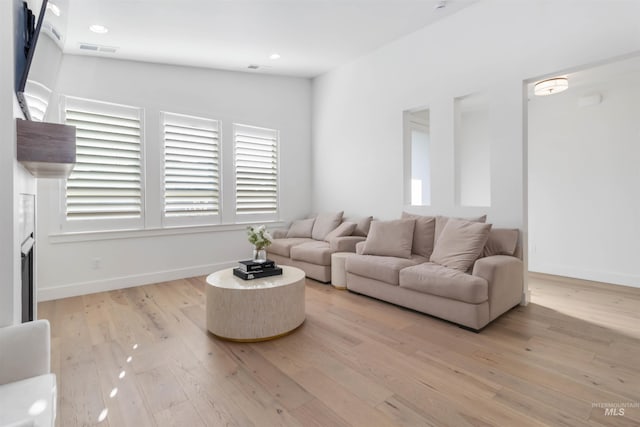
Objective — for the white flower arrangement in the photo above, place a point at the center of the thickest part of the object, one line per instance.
(259, 237)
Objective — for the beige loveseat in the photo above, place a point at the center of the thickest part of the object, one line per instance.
(463, 271)
(309, 243)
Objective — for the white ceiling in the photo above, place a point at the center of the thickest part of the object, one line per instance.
(312, 36)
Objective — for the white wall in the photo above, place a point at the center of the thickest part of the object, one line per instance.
(46, 61)
(7, 154)
(584, 181)
(68, 264)
(491, 47)
(13, 178)
(44, 71)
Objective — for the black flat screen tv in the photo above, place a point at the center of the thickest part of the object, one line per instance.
(27, 24)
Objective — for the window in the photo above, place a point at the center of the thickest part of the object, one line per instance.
(256, 170)
(178, 177)
(417, 158)
(191, 169)
(106, 183)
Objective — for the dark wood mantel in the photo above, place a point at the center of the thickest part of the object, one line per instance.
(47, 150)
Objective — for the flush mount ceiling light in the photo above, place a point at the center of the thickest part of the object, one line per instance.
(53, 8)
(99, 29)
(551, 86)
(274, 56)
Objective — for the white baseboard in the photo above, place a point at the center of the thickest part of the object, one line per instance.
(84, 288)
(593, 275)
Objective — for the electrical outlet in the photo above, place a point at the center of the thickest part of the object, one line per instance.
(96, 263)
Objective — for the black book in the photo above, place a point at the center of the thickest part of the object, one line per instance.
(249, 265)
(277, 271)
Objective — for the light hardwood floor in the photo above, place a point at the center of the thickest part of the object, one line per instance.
(142, 357)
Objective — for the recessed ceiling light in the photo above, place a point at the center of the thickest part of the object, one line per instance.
(100, 29)
(53, 8)
(274, 56)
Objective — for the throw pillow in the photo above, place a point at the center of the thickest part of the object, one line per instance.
(460, 244)
(441, 221)
(301, 228)
(423, 234)
(501, 241)
(362, 226)
(344, 229)
(390, 238)
(325, 223)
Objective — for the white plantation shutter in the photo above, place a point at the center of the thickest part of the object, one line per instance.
(191, 166)
(106, 180)
(256, 169)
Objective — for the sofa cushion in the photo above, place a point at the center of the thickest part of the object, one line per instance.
(362, 226)
(501, 241)
(423, 234)
(383, 268)
(325, 223)
(283, 247)
(390, 238)
(441, 221)
(434, 279)
(344, 229)
(301, 228)
(460, 244)
(313, 252)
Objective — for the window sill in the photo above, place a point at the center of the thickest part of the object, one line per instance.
(88, 236)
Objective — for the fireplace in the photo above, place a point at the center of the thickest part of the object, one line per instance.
(28, 298)
(27, 216)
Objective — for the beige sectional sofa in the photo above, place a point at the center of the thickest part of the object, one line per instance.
(463, 271)
(309, 243)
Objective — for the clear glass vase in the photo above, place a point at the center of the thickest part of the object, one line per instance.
(259, 255)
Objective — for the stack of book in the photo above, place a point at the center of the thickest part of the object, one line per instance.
(248, 270)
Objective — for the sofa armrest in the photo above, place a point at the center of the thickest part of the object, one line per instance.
(279, 233)
(25, 351)
(345, 243)
(505, 275)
